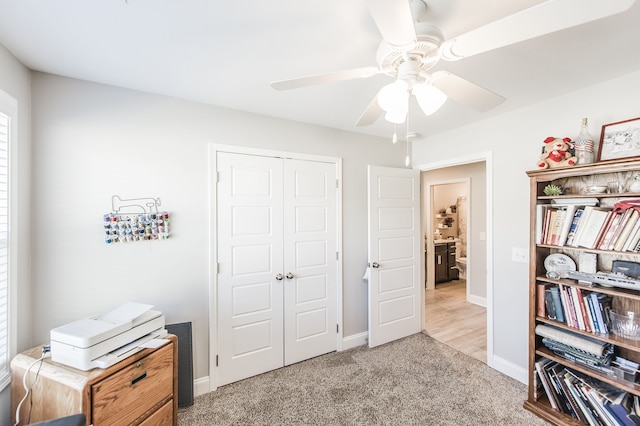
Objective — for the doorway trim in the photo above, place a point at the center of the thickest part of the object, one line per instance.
(213, 251)
(487, 157)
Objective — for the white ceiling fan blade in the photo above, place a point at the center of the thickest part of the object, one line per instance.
(465, 92)
(544, 18)
(395, 22)
(371, 114)
(295, 83)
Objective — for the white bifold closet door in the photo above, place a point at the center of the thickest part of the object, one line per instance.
(277, 266)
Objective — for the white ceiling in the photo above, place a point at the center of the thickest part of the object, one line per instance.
(226, 53)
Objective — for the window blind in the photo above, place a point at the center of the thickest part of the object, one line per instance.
(4, 250)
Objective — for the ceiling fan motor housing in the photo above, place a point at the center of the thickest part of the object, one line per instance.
(424, 54)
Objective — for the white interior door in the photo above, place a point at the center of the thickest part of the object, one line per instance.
(310, 259)
(250, 257)
(394, 254)
(277, 263)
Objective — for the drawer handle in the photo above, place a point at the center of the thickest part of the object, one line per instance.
(138, 377)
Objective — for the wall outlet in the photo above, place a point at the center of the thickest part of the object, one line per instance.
(519, 255)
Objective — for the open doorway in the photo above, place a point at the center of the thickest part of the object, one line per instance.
(456, 309)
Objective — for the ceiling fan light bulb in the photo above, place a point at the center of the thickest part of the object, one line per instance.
(396, 117)
(394, 96)
(429, 97)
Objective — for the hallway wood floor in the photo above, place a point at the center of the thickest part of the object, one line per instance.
(452, 320)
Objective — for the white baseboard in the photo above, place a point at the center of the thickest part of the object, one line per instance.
(201, 386)
(477, 300)
(355, 340)
(510, 369)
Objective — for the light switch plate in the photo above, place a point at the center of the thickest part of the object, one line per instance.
(519, 255)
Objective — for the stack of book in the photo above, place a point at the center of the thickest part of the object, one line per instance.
(580, 349)
(586, 399)
(580, 309)
(588, 226)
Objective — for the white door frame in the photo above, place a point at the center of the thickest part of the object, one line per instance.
(213, 249)
(458, 161)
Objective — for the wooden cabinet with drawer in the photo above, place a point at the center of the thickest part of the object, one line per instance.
(140, 390)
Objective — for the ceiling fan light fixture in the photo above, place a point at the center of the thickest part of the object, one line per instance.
(429, 97)
(396, 117)
(394, 96)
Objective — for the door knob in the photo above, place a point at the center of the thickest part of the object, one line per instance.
(375, 265)
(279, 277)
(289, 275)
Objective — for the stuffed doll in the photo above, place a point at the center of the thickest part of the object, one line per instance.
(556, 153)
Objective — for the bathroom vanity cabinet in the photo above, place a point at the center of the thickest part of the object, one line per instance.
(445, 262)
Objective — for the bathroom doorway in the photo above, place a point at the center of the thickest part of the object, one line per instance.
(454, 206)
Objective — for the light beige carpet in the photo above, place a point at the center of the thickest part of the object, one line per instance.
(413, 381)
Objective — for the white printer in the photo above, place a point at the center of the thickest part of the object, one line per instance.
(102, 340)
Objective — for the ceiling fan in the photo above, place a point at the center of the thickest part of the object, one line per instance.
(410, 48)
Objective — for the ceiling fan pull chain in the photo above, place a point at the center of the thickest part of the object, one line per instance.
(407, 159)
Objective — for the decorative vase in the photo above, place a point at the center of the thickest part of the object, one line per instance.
(584, 145)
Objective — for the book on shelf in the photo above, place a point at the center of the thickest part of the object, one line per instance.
(581, 343)
(569, 309)
(546, 384)
(633, 239)
(567, 219)
(541, 310)
(593, 316)
(589, 312)
(545, 224)
(541, 211)
(566, 384)
(603, 302)
(587, 412)
(566, 400)
(578, 308)
(622, 407)
(574, 224)
(576, 297)
(603, 230)
(584, 398)
(593, 221)
(557, 303)
(626, 230)
(626, 215)
(556, 221)
(610, 230)
(550, 307)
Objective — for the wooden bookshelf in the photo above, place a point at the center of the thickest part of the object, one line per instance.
(574, 181)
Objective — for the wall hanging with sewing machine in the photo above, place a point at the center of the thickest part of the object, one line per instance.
(135, 219)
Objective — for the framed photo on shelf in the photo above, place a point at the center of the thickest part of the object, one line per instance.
(620, 140)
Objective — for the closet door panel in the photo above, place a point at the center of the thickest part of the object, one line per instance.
(250, 298)
(310, 246)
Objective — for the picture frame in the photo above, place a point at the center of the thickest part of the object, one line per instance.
(620, 140)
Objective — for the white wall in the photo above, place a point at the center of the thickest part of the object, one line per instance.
(93, 141)
(15, 81)
(515, 139)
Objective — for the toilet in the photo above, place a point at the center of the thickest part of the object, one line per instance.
(461, 265)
